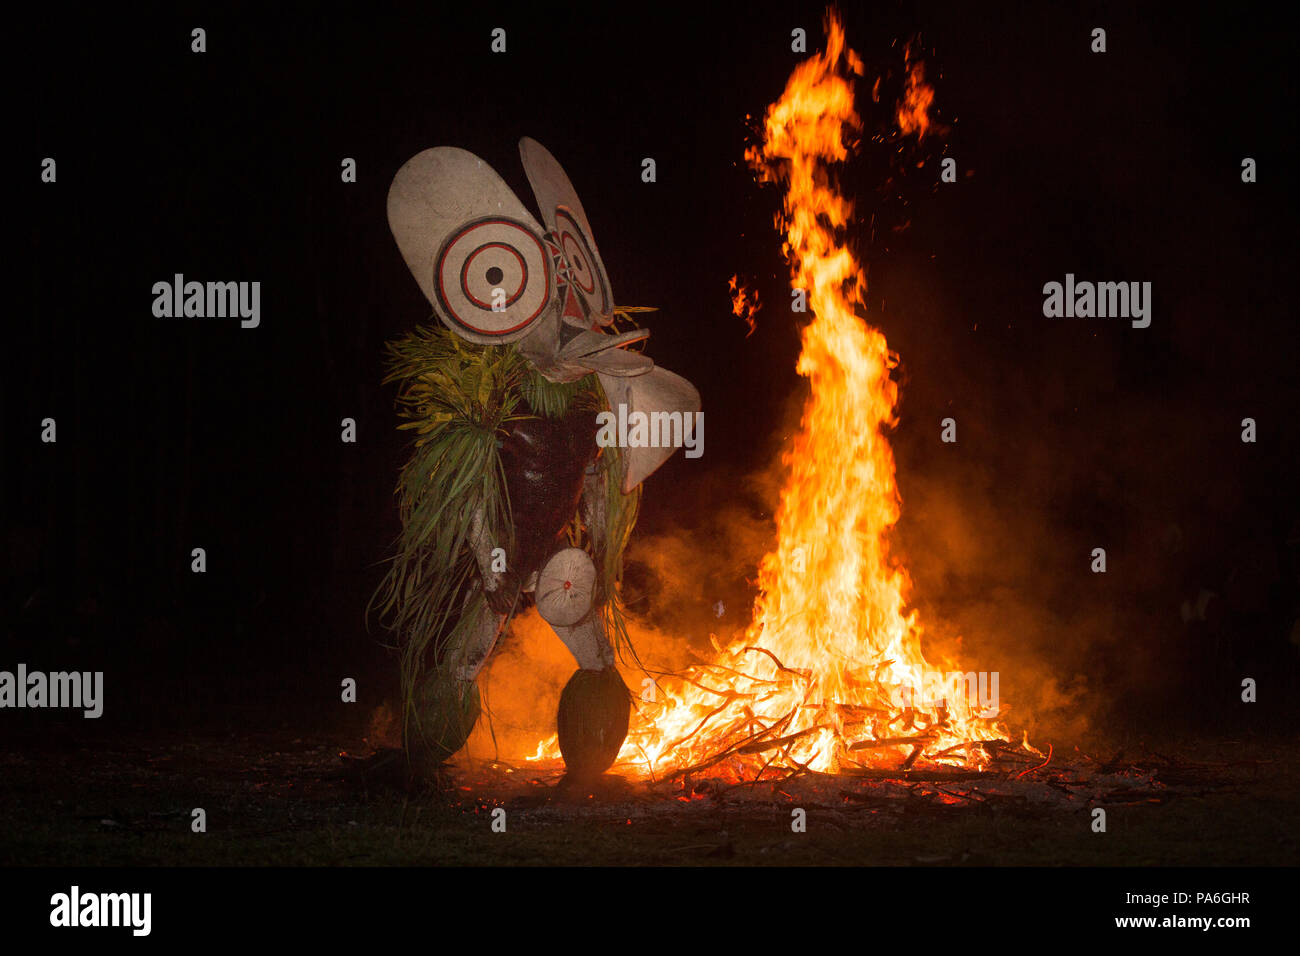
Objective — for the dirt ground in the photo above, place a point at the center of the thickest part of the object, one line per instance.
(286, 798)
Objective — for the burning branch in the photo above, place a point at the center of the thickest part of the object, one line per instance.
(745, 302)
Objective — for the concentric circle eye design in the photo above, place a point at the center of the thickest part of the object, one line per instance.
(493, 279)
(584, 267)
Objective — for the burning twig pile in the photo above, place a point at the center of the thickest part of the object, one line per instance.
(743, 735)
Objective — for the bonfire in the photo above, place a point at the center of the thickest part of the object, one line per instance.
(830, 675)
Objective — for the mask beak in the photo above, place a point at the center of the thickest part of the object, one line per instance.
(565, 353)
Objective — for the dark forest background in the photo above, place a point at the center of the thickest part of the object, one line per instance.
(1073, 434)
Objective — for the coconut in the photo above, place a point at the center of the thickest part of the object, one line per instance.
(593, 720)
(448, 711)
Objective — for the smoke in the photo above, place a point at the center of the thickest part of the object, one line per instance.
(1073, 438)
(520, 690)
(521, 685)
(990, 599)
(685, 585)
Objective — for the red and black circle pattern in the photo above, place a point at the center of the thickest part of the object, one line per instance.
(584, 268)
(493, 278)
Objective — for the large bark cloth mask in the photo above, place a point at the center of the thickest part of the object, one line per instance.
(493, 275)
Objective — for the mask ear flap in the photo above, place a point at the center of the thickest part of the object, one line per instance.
(657, 390)
(477, 253)
(567, 222)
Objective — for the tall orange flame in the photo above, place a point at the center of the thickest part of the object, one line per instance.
(826, 676)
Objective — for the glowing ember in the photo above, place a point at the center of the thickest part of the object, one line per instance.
(829, 675)
(745, 302)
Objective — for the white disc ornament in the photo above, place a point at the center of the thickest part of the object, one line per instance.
(565, 587)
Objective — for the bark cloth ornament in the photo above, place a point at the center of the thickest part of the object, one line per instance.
(506, 498)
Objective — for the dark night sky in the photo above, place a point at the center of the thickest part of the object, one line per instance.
(225, 166)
